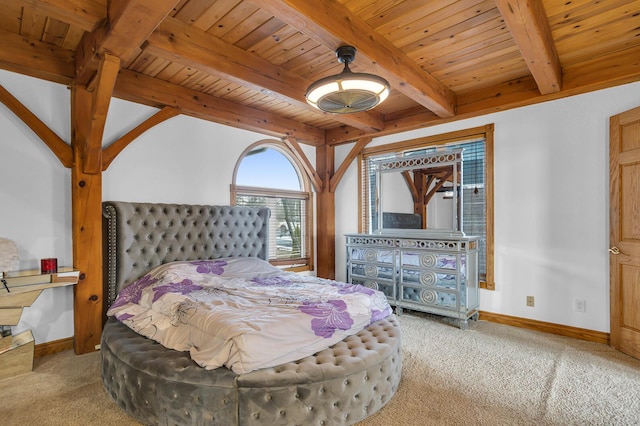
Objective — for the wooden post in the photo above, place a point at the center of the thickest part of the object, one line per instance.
(86, 194)
(326, 208)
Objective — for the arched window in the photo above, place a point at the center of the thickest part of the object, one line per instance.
(268, 174)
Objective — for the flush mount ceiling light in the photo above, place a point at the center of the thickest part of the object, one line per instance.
(348, 91)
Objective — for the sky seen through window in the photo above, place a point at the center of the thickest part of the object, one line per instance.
(267, 168)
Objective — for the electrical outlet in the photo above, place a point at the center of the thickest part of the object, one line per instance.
(530, 301)
(579, 305)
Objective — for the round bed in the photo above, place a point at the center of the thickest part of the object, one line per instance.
(340, 385)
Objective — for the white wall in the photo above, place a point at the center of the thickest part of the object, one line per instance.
(35, 198)
(183, 160)
(551, 205)
(551, 194)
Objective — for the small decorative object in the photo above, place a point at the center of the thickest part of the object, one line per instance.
(49, 265)
(347, 92)
(9, 258)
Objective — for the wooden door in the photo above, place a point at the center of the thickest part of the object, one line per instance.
(625, 231)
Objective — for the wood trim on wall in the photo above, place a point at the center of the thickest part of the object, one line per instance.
(440, 139)
(547, 327)
(489, 282)
(326, 215)
(53, 347)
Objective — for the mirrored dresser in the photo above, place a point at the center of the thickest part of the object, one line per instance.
(428, 273)
(416, 251)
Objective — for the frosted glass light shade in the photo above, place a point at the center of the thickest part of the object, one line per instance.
(348, 92)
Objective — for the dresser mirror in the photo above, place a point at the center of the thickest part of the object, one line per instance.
(417, 191)
(460, 163)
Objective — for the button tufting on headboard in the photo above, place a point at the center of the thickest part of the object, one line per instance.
(140, 236)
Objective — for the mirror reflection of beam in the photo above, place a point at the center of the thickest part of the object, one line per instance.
(424, 184)
(424, 174)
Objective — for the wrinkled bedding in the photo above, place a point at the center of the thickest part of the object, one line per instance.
(244, 313)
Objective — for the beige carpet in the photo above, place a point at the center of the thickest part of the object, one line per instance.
(491, 374)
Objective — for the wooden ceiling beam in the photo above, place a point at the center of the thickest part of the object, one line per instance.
(295, 147)
(60, 148)
(332, 25)
(178, 42)
(353, 153)
(86, 226)
(413, 187)
(128, 25)
(598, 73)
(439, 184)
(111, 152)
(35, 58)
(31, 57)
(101, 98)
(147, 90)
(529, 26)
(86, 14)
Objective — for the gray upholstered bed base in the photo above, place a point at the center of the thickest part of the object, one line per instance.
(340, 385)
(337, 386)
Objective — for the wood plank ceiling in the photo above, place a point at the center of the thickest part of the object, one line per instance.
(248, 64)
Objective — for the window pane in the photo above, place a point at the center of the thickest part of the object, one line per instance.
(474, 199)
(287, 224)
(267, 168)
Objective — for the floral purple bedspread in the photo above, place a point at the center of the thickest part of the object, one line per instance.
(244, 313)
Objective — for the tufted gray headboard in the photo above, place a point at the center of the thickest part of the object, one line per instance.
(140, 236)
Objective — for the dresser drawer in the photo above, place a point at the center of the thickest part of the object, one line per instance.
(429, 296)
(372, 271)
(371, 254)
(388, 288)
(429, 278)
(430, 260)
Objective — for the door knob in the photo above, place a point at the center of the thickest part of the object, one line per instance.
(615, 250)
